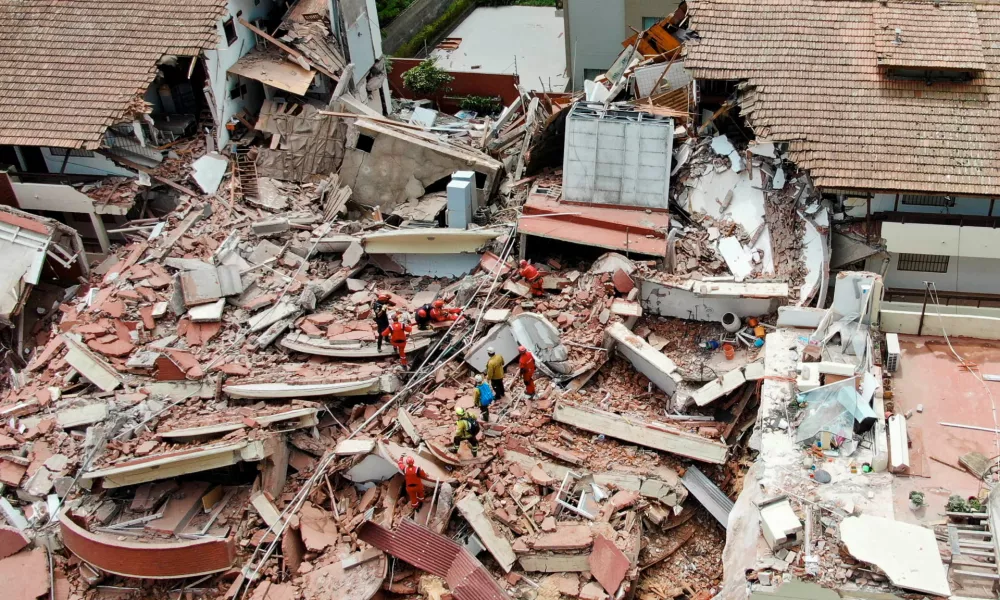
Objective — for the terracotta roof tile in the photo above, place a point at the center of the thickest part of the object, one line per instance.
(71, 68)
(811, 77)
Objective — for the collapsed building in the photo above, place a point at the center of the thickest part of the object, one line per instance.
(201, 408)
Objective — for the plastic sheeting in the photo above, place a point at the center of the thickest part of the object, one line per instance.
(833, 408)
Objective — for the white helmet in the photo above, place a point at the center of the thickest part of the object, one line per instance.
(479, 378)
(491, 351)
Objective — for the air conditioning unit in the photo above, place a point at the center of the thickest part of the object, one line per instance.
(892, 350)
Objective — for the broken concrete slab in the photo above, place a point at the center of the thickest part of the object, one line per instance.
(707, 300)
(907, 553)
(84, 415)
(718, 387)
(91, 366)
(182, 505)
(174, 464)
(209, 170)
(649, 434)
(207, 313)
(656, 366)
(565, 537)
(472, 510)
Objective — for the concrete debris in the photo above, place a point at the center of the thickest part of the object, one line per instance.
(345, 344)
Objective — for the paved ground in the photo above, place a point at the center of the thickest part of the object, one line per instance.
(929, 374)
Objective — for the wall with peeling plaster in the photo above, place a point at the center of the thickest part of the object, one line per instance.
(400, 167)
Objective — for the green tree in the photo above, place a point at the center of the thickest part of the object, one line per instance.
(427, 78)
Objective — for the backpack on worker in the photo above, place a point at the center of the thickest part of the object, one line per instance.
(486, 395)
(473, 426)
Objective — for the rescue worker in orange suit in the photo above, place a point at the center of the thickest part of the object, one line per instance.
(380, 312)
(413, 476)
(526, 361)
(423, 317)
(398, 334)
(531, 275)
(440, 314)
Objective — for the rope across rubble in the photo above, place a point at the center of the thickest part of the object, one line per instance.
(324, 463)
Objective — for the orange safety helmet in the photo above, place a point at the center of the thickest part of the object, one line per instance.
(438, 303)
(395, 317)
(521, 349)
(523, 263)
(421, 313)
(384, 297)
(408, 460)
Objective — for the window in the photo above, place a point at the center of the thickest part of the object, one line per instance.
(65, 152)
(238, 91)
(481, 180)
(230, 28)
(648, 22)
(365, 143)
(592, 74)
(925, 263)
(912, 200)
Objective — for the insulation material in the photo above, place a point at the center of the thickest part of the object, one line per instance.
(908, 554)
(617, 157)
(309, 143)
(646, 77)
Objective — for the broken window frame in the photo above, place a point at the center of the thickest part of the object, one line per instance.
(229, 28)
(922, 263)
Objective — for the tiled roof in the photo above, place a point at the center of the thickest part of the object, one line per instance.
(812, 79)
(71, 68)
(939, 37)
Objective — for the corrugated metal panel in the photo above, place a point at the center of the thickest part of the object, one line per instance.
(467, 578)
(473, 580)
(426, 550)
(706, 492)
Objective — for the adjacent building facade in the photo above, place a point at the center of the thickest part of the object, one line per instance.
(898, 130)
(89, 90)
(595, 30)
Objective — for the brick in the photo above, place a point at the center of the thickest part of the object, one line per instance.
(25, 575)
(12, 541)
(608, 564)
(565, 537)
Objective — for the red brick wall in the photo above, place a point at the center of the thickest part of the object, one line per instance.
(466, 83)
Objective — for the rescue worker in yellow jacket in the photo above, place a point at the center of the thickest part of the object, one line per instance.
(494, 371)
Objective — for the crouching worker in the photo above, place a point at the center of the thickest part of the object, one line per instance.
(466, 429)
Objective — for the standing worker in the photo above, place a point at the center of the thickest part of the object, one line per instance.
(530, 274)
(466, 429)
(414, 477)
(440, 314)
(380, 312)
(483, 395)
(398, 334)
(494, 371)
(526, 361)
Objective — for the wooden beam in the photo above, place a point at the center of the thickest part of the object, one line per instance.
(295, 54)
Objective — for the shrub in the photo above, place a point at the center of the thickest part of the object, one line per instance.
(427, 78)
(483, 105)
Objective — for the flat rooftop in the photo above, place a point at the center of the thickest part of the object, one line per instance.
(523, 40)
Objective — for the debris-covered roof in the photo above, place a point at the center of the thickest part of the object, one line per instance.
(70, 69)
(813, 80)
